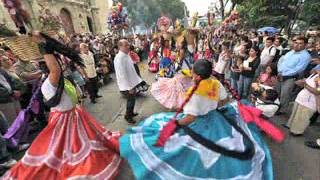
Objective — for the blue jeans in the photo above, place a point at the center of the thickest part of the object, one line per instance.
(234, 84)
(244, 86)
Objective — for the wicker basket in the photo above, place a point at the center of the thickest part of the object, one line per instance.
(22, 47)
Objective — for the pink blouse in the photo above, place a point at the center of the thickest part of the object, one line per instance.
(267, 80)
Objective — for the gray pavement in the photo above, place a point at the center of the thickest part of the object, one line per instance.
(291, 159)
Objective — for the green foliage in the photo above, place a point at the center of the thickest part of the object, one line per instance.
(257, 13)
(278, 13)
(311, 12)
(147, 12)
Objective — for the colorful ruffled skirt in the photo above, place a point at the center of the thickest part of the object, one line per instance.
(72, 146)
(170, 92)
(183, 158)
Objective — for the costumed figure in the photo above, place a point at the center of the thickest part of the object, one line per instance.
(178, 31)
(164, 23)
(191, 38)
(73, 145)
(206, 141)
(166, 51)
(18, 14)
(168, 91)
(194, 20)
(166, 68)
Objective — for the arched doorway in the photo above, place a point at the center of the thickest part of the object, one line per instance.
(66, 19)
(90, 25)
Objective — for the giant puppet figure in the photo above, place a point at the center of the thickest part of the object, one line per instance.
(164, 23)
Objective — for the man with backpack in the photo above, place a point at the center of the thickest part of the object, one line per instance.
(277, 44)
(267, 55)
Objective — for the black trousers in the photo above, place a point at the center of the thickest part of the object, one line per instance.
(26, 96)
(92, 87)
(131, 101)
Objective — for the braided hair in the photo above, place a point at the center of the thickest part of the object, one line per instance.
(231, 90)
(203, 69)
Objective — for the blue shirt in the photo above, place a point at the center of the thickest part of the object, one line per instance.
(293, 63)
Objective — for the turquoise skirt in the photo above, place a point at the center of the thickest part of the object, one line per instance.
(182, 158)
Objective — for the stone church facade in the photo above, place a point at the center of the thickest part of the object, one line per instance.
(76, 15)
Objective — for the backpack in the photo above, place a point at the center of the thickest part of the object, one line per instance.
(276, 56)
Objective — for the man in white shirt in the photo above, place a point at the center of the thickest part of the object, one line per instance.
(90, 72)
(127, 78)
(267, 55)
(277, 44)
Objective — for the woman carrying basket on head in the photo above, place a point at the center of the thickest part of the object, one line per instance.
(73, 145)
(204, 142)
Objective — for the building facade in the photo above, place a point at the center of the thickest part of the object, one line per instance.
(77, 16)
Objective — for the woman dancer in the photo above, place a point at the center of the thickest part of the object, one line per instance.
(170, 92)
(206, 143)
(73, 145)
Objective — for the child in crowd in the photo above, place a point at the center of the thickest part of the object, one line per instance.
(269, 77)
(268, 102)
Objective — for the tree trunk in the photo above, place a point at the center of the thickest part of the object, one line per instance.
(222, 8)
(292, 18)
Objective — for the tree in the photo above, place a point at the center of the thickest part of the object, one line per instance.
(257, 13)
(146, 12)
(282, 14)
(310, 12)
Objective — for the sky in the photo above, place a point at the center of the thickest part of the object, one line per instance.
(200, 6)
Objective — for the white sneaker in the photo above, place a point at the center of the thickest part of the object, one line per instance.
(9, 163)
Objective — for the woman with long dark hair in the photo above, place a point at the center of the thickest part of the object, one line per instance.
(204, 142)
(248, 69)
(73, 145)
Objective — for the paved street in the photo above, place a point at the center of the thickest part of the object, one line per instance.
(291, 159)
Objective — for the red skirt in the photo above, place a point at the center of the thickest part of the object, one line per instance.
(72, 146)
(154, 67)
